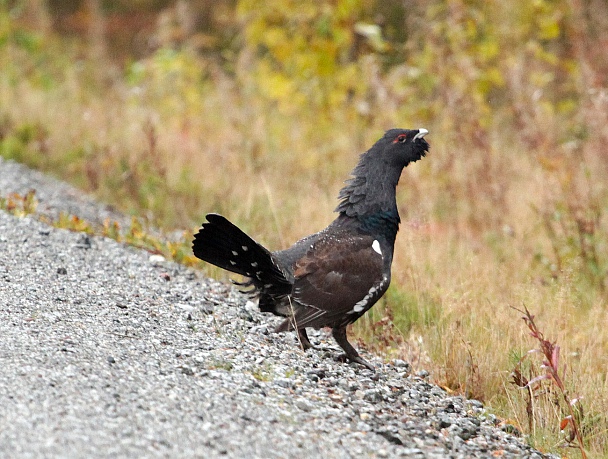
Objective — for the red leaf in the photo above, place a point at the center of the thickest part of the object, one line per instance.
(538, 378)
(555, 358)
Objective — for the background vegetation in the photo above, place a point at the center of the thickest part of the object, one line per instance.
(258, 110)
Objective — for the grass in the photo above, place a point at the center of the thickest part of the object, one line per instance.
(507, 209)
(568, 409)
(135, 235)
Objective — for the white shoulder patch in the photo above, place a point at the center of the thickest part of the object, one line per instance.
(376, 246)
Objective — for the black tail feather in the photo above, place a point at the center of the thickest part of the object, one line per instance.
(247, 287)
(223, 244)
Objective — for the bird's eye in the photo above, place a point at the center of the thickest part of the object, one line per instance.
(401, 138)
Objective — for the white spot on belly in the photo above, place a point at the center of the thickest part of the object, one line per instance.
(245, 248)
(362, 305)
(232, 262)
(376, 246)
(235, 253)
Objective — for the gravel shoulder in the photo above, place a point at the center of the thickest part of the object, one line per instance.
(107, 353)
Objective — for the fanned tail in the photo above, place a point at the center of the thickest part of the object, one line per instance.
(223, 244)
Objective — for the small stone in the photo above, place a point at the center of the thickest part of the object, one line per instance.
(408, 452)
(336, 398)
(187, 371)
(304, 405)
(260, 329)
(319, 374)
(414, 394)
(207, 308)
(352, 386)
(62, 271)
(400, 363)
(492, 419)
(156, 260)
(185, 307)
(465, 434)
(396, 383)
(449, 407)
(111, 360)
(444, 422)
(364, 427)
(373, 395)
(465, 429)
(422, 374)
(286, 383)
(510, 429)
(84, 241)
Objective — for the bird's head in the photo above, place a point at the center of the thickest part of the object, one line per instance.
(371, 190)
(399, 147)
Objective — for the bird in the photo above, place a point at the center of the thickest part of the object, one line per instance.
(330, 278)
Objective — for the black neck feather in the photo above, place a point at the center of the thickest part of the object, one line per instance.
(368, 200)
(372, 189)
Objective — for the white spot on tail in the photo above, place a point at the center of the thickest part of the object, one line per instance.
(254, 264)
(232, 262)
(376, 246)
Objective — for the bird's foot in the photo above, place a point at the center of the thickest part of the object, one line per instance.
(305, 343)
(307, 346)
(357, 359)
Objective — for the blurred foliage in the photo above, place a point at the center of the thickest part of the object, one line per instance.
(170, 109)
(303, 52)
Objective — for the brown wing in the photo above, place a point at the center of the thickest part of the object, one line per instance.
(338, 279)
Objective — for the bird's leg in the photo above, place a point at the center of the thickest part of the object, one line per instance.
(304, 341)
(350, 352)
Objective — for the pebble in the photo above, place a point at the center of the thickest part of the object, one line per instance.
(157, 260)
(422, 374)
(304, 405)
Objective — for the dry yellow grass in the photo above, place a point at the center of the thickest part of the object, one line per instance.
(504, 212)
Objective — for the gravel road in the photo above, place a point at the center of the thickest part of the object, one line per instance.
(105, 352)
